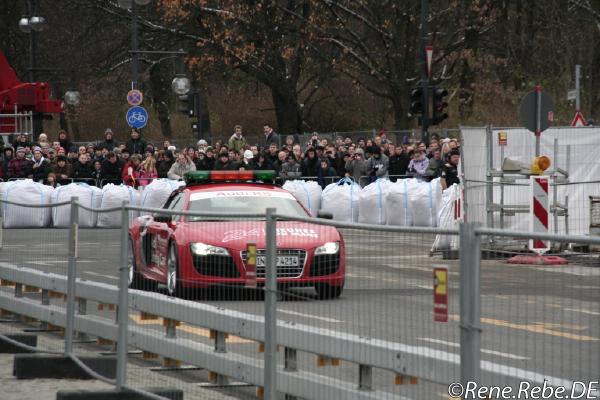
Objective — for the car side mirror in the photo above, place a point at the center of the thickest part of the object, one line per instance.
(163, 218)
(324, 214)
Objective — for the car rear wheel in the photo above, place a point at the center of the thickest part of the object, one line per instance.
(326, 291)
(174, 287)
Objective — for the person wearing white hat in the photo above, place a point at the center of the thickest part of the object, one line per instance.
(247, 161)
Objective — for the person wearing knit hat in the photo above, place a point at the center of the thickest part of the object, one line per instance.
(247, 162)
(19, 166)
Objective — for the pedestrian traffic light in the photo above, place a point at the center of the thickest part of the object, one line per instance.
(416, 101)
(186, 104)
(439, 105)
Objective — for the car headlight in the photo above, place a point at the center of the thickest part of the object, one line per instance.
(202, 249)
(328, 248)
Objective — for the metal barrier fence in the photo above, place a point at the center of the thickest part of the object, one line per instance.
(317, 319)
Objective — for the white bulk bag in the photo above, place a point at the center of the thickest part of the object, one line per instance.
(447, 219)
(307, 192)
(157, 192)
(341, 199)
(371, 202)
(423, 203)
(113, 196)
(26, 192)
(397, 202)
(88, 196)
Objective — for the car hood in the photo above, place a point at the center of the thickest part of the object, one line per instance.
(237, 234)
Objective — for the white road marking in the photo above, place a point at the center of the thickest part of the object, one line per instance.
(491, 352)
(101, 275)
(572, 270)
(55, 262)
(583, 311)
(325, 319)
(414, 267)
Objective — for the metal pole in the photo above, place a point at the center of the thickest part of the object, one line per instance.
(470, 304)
(555, 187)
(424, 75)
(71, 275)
(123, 306)
(538, 118)
(577, 87)
(270, 380)
(134, 46)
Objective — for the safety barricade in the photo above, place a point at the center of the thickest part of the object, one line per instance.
(307, 307)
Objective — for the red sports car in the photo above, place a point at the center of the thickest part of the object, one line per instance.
(184, 252)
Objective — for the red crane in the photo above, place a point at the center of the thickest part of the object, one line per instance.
(20, 97)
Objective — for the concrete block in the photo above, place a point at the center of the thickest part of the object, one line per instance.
(33, 366)
(116, 394)
(25, 338)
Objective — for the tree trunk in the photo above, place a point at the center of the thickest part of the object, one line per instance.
(287, 111)
(400, 114)
(160, 98)
(595, 80)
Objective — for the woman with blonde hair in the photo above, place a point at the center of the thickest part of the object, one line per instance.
(148, 171)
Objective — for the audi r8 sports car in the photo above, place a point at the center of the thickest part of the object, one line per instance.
(187, 252)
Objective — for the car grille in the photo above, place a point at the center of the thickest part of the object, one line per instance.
(220, 266)
(282, 272)
(324, 264)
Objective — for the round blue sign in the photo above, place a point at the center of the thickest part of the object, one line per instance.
(137, 117)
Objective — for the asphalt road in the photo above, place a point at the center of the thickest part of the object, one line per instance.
(541, 319)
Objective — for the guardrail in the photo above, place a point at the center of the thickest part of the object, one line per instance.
(366, 353)
(430, 365)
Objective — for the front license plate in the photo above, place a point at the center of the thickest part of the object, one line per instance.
(282, 261)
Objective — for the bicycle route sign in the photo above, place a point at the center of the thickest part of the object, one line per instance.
(137, 117)
(135, 97)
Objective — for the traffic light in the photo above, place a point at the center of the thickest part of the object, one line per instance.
(186, 104)
(439, 105)
(416, 101)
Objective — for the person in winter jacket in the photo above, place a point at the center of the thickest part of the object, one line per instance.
(19, 166)
(131, 171)
(247, 162)
(418, 165)
(40, 167)
(62, 170)
(148, 171)
(111, 169)
(325, 171)
(64, 141)
(164, 163)
(435, 165)
(378, 164)
(262, 162)
(399, 161)
(135, 145)
(310, 165)
(180, 167)
(291, 169)
(271, 137)
(225, 164)
(7, 156)
(237, 141)
(109, 143)
(357, 166)
(82, 169)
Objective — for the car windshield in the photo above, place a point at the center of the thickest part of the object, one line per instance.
(250, 202)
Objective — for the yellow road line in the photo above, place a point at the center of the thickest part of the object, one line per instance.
(541, 328)
(189, 329)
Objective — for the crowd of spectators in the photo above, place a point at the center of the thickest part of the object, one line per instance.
(136, 162)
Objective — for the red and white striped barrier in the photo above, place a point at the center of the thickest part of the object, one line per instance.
(539, 213)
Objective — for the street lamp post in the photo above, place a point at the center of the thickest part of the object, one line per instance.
(32, 24)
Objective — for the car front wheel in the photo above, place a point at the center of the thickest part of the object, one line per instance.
(174, 287)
